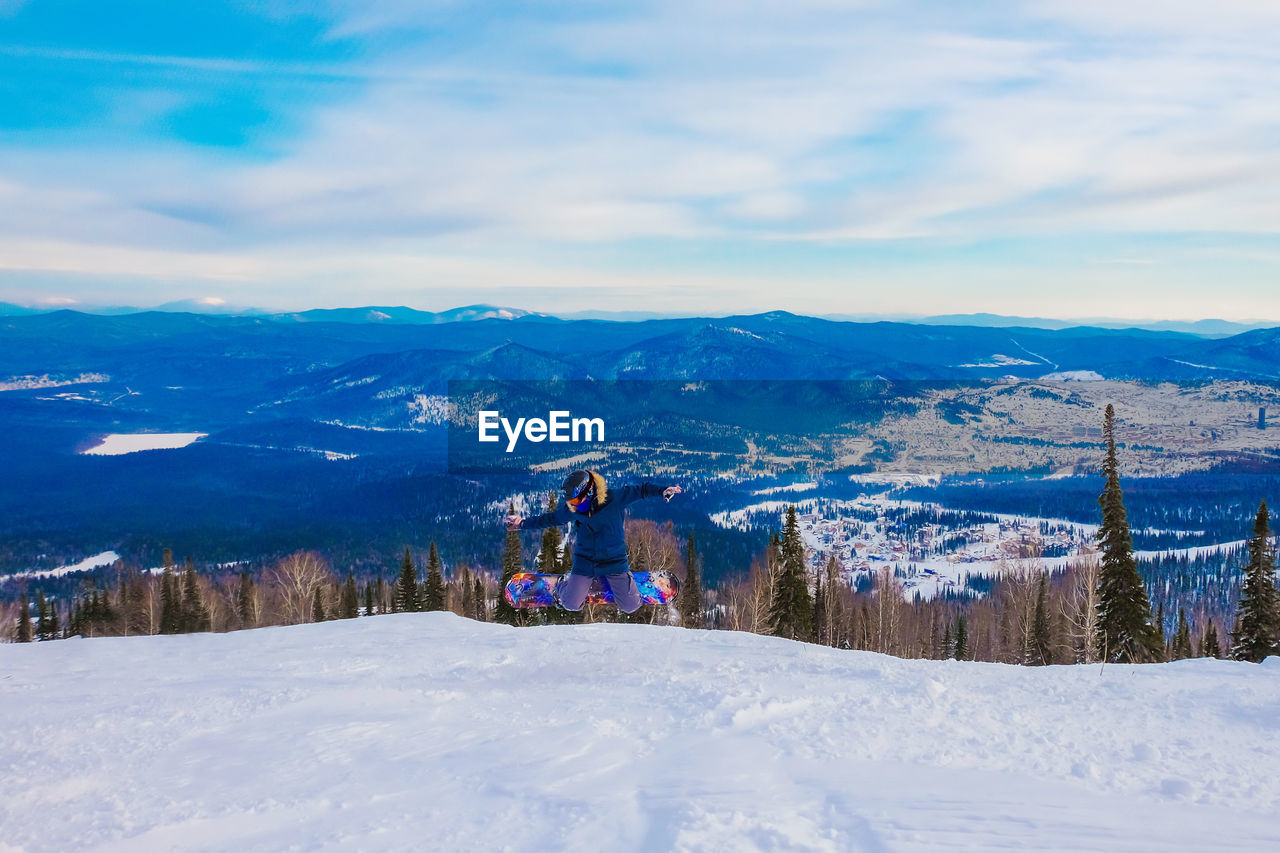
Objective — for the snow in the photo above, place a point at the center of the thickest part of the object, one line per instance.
(864, 547)
(118, 444)
(793, 487)
(1073, 376)
(106, 558)
(426, 731)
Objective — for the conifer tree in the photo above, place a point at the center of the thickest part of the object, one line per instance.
(1040, 652)
(1256, 633)
(246, 595)
(791, 609)
(350, 599)
(466, 603)
(170, 608)
(433, 596)
(962, 638)
(1181, 639)
(481, 613)
(1212, 647)
(407, 595)
(368, 599)
(689, 601)
(549, 556)
(317, 607)
(819, 620)
(194, 615)
(512, 563)
(1125, 632)
(24, 620)
(46, 628)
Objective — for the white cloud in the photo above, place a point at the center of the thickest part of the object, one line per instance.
(676, 123)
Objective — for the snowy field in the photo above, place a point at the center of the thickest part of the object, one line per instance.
(88, 564)
(429, 732)
(117, 444)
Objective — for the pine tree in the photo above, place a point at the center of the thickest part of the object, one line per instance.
(1212, 647)
(170, 608)
(407, 596)
(1125, 632)
(245, 598)
(45, 626)
(194, 615)
(962, 638)
(690, 601)
(24, 620)
(317, 607)
(1040, 652)
(1181, 639)
(481, 613)
(1257, 627)
(466, 603)
(350, 599)
(434, 594)
(791, 609)
(368, 599)
(549, 557)
(512, 563)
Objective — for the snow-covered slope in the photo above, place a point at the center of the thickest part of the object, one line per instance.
(429, 732)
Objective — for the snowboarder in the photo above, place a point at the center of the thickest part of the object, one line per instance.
(600, 549)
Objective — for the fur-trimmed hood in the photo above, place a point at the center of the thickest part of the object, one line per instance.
(601, 488)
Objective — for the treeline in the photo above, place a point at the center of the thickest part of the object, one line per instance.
(305, 587)
(1093, 610)
(302, 587)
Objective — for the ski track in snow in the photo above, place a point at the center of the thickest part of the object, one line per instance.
(429, 732)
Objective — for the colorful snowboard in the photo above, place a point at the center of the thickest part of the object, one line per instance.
(526, 589)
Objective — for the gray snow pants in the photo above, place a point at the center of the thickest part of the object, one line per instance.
(573, 591)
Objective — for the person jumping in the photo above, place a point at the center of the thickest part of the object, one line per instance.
(600, 547)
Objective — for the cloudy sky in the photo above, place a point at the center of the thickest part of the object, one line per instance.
(1064, 158)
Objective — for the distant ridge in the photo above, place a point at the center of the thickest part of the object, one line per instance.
(1204, 328)
(403, 315)
(407, 316)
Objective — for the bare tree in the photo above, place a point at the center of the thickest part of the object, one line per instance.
(296, 579)
(8, 621)
(1080, 609)
(1021, 583)
(153, 604)
(888, 610)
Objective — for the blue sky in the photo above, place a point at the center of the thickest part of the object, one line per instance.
(1051, 158)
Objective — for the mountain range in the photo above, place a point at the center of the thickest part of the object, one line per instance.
(405, 315)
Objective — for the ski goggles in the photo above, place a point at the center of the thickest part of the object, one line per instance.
(581, 494)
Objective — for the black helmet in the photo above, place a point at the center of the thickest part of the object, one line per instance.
(576, 483)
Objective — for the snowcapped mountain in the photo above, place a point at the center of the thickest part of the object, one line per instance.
(426, 731)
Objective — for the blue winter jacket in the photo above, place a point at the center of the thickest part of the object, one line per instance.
(600, 547)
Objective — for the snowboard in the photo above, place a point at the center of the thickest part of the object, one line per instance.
(527, 589)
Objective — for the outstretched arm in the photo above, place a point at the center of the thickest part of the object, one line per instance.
(630, 494)
(557, 516)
